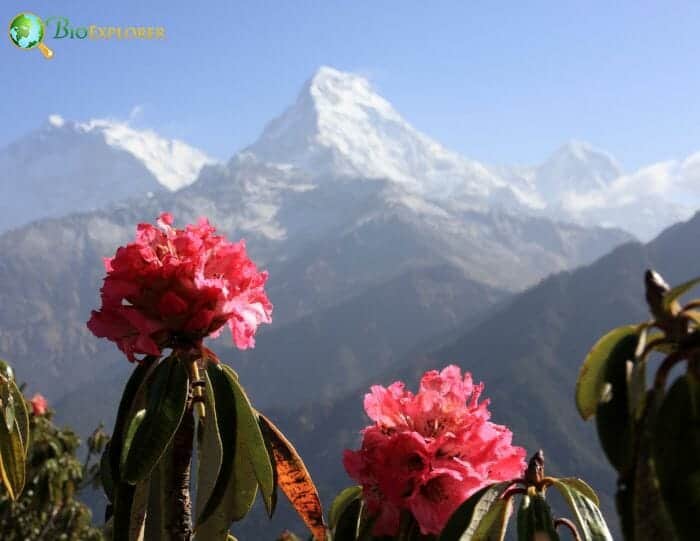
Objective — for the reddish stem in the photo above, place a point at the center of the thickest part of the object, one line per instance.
(572, 527)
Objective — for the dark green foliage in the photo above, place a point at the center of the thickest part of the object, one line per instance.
(48, 508)
(651, 436)
(167, 399)
(535, 516)
(612, 415)
(676, 453)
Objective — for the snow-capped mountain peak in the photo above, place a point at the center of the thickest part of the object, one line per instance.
(339, 126)
(576, 167)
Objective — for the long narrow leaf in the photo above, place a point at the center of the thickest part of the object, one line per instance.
(495, 522)
(251, 439)
(121, 520)
(294, 479)
(678, 291)
(124, 413)
(21, 415)
(587, 513)
(225, 404)
(210, 449)
(138, 511)
(12, 459)
(465, 520)
(130, 433)
(341, 502)
(236, 486)
(237, 499)
(535, 519)
(167, 400)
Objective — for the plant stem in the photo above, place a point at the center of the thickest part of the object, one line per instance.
(179, 517)
(570, 525)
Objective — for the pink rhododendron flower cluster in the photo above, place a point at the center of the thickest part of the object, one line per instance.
(39, 405)
(173, 287)
(426, 453)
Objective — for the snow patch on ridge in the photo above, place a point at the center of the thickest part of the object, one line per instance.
(174, 163)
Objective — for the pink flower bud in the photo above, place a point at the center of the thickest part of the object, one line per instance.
(39, 405)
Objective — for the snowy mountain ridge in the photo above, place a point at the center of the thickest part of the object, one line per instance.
(67, 167)
(174, 163)
(340, 127)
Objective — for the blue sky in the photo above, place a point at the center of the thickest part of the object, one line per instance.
(503, 82)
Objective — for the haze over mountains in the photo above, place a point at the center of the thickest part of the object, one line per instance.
(325, 236)
(381, 244)
(67, 166)
(528, 352)
(339, 127)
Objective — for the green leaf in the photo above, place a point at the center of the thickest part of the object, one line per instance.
(591, 379)
(210, 449)
(129, 437)
(225, 411)
(235, 503)
(251, 439)
(365, 525)
(21, 414)
(134, 387)
(649, 518)
(624, 505)
(347, 522)
(341, 502)
(137, 517)
(636, 389)
(466, 519)
(6, 371)
(8, 402)
(294, 479)
(167, 400)
(121, 520)
(495, 522)
(236, 486)
(535, 516)
(583, 487)
(106, 473)
(676, 452)
(677, 291)
(12, 459)
(612, 415)
(587, 513)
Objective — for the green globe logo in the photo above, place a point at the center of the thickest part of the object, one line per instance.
(27, 31)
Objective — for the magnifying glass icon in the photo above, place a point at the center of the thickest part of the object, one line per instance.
(27, 32)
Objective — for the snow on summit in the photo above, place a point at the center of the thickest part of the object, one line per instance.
(339, 125)
(338, 129)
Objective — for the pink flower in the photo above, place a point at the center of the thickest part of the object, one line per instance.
(174, 287)
(39, 405)
(427, 453)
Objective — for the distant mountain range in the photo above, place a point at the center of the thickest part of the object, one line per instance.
(528, 352)
(70, 166)
(381, 244)
(339, 127)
